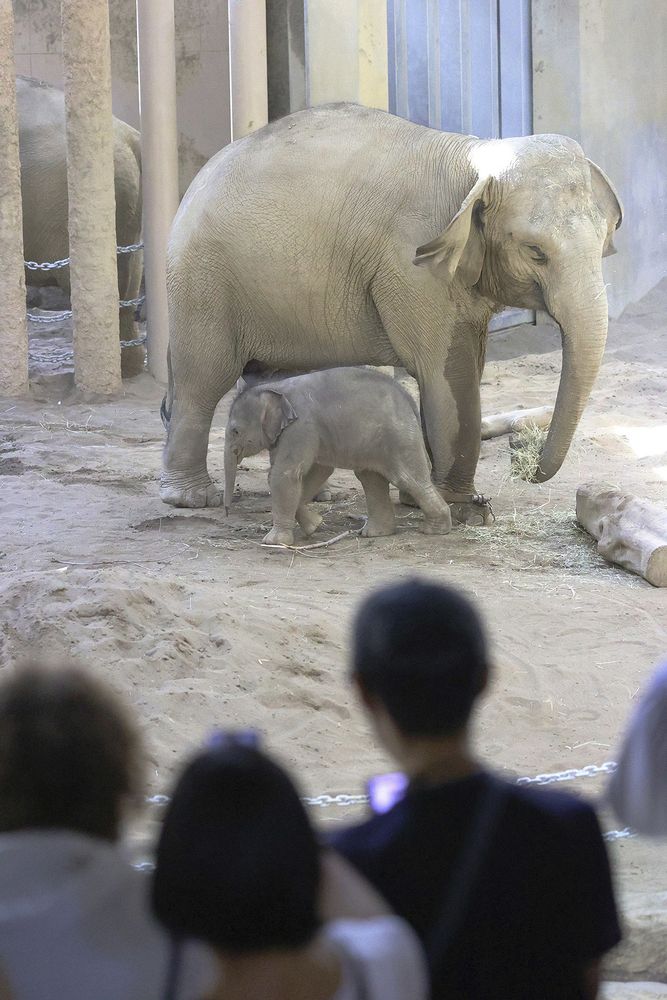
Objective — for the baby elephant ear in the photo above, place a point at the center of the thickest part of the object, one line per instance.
(461, 247)
(609, 203)
(277, 413)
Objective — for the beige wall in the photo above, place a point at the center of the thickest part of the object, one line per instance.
(202, 67)
(600, 75)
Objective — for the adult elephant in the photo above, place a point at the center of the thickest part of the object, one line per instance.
(43, 153)
(295, 248)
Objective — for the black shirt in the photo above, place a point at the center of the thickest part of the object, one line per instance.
(541, 907)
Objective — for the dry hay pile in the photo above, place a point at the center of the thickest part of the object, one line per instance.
(526, 448)
(538, 538)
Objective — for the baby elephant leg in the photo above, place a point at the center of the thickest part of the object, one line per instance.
(307, 518)
(437, 516)
(381, 519)
(285, 485)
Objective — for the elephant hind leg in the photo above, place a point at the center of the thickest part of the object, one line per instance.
(437, 516)
(381, 520)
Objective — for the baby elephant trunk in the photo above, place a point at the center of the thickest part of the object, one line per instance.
(231, 463)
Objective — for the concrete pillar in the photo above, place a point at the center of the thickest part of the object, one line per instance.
(248, 68)
(159, 165)
(13, 331)
(286, 57)
(346, 52)
(92, 203)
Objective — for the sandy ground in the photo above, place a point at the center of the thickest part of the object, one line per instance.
(184, 613)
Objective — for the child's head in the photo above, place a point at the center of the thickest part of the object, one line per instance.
(419, 650)
(237, 862)
(70, 756)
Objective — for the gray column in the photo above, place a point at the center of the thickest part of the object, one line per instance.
(159, 164)
(286, 57)
(13, 332)
(90, 184)
(248, 67)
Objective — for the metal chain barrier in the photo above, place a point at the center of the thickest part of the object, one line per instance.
(52, 265)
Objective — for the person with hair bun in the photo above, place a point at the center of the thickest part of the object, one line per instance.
(240, 868)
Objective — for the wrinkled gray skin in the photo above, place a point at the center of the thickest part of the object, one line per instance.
(342, 236)
(43, 153)
(347, 418)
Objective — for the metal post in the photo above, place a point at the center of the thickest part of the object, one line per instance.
(13, 331)
(90, 188)
(159, 165)
(248, 67)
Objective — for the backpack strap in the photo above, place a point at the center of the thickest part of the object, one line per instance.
(477, 843)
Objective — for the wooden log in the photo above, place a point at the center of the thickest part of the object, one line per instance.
(497, 424)
(631, 532)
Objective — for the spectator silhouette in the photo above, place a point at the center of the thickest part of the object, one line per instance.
(75, 920)
(239, 866)
(638, 788)
(508, 887)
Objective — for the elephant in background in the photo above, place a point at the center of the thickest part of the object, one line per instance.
(342, 235)
(346, 418)
(43, 153)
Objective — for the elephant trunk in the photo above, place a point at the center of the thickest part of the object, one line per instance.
(231, 463)
(584, 334)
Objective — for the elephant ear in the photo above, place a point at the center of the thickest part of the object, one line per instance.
(277, 413)
(461, 247)
(609, 203)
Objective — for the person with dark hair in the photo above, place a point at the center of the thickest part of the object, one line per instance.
(508, 888)
(74, 915)
(240, 868)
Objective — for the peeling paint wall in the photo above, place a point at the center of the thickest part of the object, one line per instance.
(600, 75)
(202, 59)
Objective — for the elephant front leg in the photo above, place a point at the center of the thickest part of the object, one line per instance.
(381, 520)
(185, 480)
(453, 420)
(286, 490)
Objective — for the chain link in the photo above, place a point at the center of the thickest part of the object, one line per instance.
(48, 265)
(131, 247)
(336, 800)
(52, 265)
(623, 834)
(54, 317)
(132, 302)
(589, 771)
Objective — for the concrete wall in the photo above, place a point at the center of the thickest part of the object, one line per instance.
(600, 75)
(202, 68)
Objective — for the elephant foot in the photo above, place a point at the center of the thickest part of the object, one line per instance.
(309, 522)
(279, 536)
(192, 496)
(376, 529)
(472, 509)
(406, 499)
(324, 496)
(440, 527)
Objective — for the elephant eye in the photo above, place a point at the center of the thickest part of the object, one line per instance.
(537, 254)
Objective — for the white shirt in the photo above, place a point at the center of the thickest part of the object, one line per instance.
(382, 959)
(75, 924)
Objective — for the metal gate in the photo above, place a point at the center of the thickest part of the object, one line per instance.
(463, 66)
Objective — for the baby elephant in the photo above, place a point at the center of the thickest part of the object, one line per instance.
(345, 418)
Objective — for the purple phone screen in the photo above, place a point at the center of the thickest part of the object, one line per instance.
(385, 790)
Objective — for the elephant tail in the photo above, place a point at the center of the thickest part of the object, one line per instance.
(165, 409)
